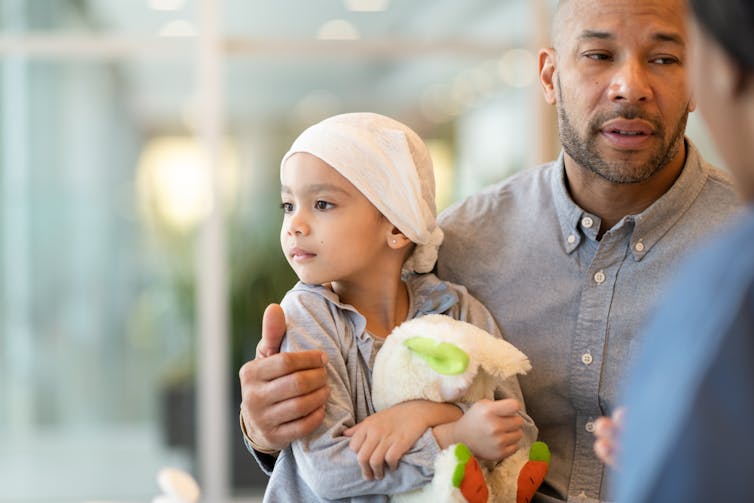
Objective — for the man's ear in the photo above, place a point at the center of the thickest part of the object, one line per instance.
(396, 239)
(692, 103)
(547, 64)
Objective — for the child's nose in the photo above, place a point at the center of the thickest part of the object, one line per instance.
(297, 224)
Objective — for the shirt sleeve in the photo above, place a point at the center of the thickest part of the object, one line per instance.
(266, 462)
(265, 459)
(324, 459)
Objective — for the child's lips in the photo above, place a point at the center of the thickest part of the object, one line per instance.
(299, 254)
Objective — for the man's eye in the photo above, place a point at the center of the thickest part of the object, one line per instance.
(286, 207)
(598, 56)
(665, 60)
(323, 205)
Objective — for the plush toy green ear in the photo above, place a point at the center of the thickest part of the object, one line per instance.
(463, 454)
(444, 358)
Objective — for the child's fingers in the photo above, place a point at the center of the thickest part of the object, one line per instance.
(377, 460)
(394, 454)
(501, 446)
(506, 407)
(364, 455)
(357, 440)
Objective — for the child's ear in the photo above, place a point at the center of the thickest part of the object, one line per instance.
(397, 240)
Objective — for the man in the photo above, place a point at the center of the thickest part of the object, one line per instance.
(568, 257)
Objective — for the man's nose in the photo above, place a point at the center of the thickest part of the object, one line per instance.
(630, 83)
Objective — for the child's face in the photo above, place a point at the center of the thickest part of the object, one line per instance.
(330, 231)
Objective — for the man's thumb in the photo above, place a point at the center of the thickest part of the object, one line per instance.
(273, 331)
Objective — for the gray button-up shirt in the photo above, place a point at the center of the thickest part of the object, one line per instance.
(572, 303)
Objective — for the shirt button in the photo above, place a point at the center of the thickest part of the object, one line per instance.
(586, 358)
(639, 247)
(587, 222)
(599, 277)
(571, 239)
(589, 426)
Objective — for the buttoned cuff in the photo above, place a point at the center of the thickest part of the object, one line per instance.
(252, 442)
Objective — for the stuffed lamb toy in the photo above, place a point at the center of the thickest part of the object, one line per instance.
(438, 358)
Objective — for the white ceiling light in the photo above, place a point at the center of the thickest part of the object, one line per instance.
(174, 185)
(337, 29)
(366, 5)
(167, 5)
(178, 28)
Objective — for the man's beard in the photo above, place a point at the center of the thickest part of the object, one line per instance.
(584, 150)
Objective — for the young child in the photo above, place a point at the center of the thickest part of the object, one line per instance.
(359, 230)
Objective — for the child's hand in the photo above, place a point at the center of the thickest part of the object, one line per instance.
(492, 429)
(607, 431)
(385, 436)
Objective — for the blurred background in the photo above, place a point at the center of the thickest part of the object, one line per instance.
(139, 203)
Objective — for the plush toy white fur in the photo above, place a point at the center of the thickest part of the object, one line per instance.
(420, 359)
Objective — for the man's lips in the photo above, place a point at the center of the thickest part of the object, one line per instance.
(628, 127)
(627, 134)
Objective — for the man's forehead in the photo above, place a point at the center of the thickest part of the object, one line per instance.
(663, 20)
(600, 7)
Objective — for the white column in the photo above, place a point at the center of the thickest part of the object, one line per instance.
(545, 144)
(213, 344)
(16, 335)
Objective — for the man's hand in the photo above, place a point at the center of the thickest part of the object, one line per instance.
(492, 429)
(607, 431)
(283, 394)
(273, 331)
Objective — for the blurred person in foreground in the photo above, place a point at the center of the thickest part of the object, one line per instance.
(689, 403)
(570, 256)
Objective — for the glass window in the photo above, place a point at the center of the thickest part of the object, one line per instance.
(97, 298)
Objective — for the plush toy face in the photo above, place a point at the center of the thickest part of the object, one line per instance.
(441, 359)
(437, 358)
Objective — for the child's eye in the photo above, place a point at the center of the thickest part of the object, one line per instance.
(286, 207)
(323, 205)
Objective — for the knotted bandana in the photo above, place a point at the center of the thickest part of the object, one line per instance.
(388, 163)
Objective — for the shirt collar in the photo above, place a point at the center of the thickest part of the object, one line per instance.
(654, 222)
(569, 213)
(427, 294)
(648, 226)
